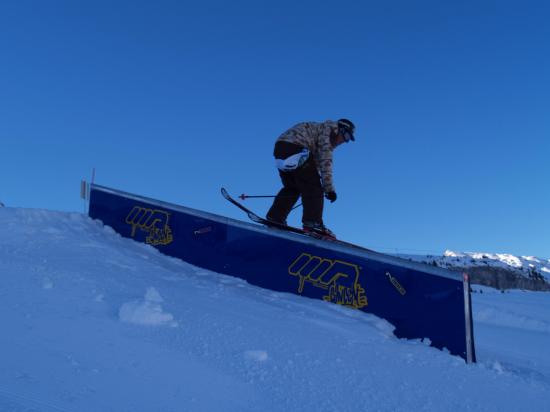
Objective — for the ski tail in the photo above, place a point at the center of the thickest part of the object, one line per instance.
(252, 216)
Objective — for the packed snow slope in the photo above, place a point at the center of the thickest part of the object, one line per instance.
(95, 322)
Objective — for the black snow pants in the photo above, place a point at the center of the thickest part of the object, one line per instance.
(303, 181)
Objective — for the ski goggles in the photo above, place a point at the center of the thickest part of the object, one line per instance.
(346, 134)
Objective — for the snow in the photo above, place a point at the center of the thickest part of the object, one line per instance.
(95, 322)
(146, 312)
(524, 263)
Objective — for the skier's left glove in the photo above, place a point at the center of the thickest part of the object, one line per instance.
(331, 196)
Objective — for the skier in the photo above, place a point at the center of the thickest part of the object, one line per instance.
(303, 155)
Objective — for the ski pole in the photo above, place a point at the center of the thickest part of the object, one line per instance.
(244, 197)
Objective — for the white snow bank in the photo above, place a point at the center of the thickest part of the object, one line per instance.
(69, 287)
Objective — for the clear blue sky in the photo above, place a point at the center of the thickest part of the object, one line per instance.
(174, 99)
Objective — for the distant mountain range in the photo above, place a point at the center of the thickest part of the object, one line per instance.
(501, 271)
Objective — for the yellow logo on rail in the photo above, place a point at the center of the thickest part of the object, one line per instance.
(152, 221)
(340, 279)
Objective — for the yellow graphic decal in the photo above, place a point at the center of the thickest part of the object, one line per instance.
(152, 221)
(338, 278)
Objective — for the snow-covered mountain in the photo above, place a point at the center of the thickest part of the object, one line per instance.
(502, 271)
(92, 321)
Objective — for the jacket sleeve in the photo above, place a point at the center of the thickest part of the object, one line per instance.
(324, 157)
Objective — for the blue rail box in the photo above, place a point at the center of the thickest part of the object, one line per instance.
(421, 301)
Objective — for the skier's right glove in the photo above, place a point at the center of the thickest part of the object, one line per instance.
(331, 196)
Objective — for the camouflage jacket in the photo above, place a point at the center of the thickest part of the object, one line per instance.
(315, 137)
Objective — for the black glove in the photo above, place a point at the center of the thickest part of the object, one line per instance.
(331, 196)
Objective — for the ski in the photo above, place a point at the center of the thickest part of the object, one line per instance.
(258, 219)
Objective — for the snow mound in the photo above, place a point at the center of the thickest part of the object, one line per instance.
(256, 355)
(146, 312)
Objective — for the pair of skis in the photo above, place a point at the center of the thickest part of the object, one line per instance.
(258, 219)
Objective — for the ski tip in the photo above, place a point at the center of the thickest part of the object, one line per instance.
(224, 192)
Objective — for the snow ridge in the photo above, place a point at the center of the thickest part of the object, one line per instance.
(524, 264)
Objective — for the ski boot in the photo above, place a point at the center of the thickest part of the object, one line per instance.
(318, 230)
